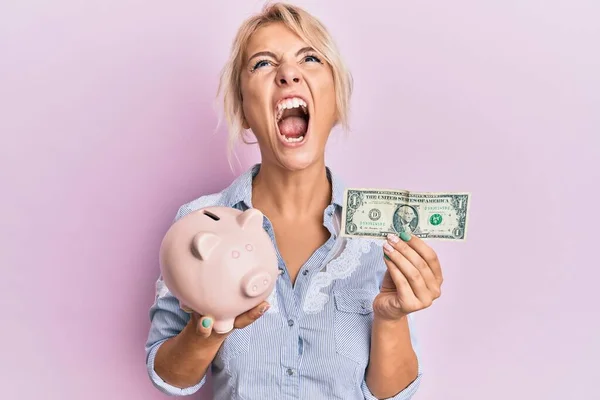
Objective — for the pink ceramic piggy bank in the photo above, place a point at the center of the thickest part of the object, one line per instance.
(219, 261)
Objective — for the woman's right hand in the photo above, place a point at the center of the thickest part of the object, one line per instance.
(184, 359)
(203, 325)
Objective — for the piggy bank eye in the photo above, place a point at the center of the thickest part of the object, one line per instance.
(249, 247)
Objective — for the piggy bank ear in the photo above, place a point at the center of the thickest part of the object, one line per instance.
(251, 218)
(204, 243)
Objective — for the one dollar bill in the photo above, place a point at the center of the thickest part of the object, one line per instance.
(374, 213)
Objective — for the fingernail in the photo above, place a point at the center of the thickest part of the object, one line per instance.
(405, 236)
(185, 308)
(393, 238)
(263, 309)
(388, 247)
(206, 322)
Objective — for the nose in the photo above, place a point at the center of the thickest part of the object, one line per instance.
(255, 283)
(288, 76)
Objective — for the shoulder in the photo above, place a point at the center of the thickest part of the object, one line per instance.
(239, 190)
(208, 200)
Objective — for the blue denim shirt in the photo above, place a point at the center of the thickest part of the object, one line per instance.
(314, 341)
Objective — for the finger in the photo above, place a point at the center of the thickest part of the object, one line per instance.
(251, 315)
(204, 326)
(410, 272)
(427, 254)
(415, 259)
(400, 281)
(185, 308)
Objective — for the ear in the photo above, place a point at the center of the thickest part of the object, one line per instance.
(245, 124)
(250, 219)
(203, 244)
(336, 117)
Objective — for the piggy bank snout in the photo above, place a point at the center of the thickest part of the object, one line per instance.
(256, 283)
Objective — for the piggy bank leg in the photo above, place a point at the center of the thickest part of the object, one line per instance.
(223, 325)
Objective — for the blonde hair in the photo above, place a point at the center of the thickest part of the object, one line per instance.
(309, 29)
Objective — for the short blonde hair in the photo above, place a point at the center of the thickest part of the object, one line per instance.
(309, 29)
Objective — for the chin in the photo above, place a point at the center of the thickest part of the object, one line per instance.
(297, 161)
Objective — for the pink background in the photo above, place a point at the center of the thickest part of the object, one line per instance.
(107, 126)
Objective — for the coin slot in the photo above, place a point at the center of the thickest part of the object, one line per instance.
(211, 215)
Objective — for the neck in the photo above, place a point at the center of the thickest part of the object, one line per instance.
(292, 194)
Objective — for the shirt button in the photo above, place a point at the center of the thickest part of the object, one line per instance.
(305, 272)
(290, 371)
(290, 322)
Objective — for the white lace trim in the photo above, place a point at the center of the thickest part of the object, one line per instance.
(339, 268)
(272, 300)
(161, 289)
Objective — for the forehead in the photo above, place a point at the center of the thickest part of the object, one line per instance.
(275, 37)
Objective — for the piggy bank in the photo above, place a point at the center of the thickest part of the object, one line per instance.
(219, 262)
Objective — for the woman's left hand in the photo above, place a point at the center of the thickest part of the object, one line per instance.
(413, 278)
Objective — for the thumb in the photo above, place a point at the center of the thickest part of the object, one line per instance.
(204, 326)
(251, 315)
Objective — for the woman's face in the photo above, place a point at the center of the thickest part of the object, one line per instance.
(288, 97)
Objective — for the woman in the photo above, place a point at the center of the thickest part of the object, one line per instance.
(337, 323)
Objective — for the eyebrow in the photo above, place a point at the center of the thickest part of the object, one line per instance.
(306, 49)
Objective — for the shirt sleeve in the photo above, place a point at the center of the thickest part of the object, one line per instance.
(167, 320)
(411, 389)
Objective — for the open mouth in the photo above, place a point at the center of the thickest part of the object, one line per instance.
(292, 119)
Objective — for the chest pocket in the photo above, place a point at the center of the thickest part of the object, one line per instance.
(352, 323)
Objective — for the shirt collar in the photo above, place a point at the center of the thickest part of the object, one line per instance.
(240, 190)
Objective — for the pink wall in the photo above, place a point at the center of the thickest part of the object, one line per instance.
(107, 127)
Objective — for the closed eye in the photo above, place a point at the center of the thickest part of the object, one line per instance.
(260, 64)
(312, 59)
(264, 62)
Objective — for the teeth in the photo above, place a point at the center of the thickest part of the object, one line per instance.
(293, 140)
(289, 104)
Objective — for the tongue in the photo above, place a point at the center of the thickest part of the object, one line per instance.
(293, 126)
